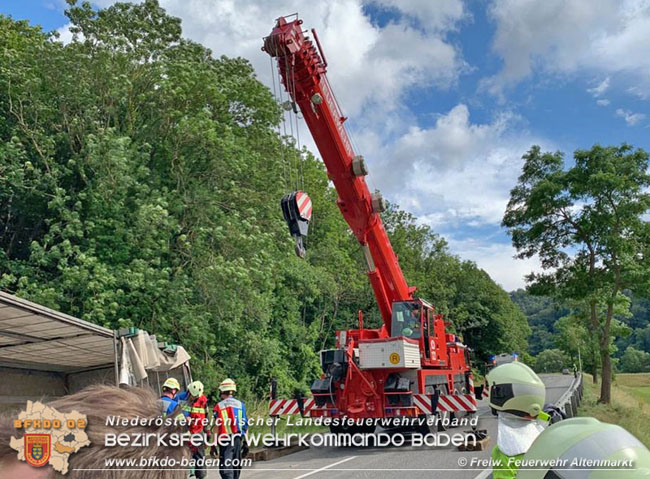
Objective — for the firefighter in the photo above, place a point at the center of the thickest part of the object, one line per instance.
(412, 328)
(232, 424)
(517, 396)
(195, 407)
(585, 439)
(169, 390)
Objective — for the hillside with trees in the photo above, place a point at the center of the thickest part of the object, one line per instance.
(140, 181)
(555, 335)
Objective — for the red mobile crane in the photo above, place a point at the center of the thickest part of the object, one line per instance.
(410, 366)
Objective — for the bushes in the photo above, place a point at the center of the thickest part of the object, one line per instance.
(634, 361)
(551, 361)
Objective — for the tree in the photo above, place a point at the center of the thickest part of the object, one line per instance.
(551, 361)
(139, 184)
(585, 224)
(635, 361)
(572, 337)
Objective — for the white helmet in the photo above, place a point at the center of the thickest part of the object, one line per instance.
(195, 388)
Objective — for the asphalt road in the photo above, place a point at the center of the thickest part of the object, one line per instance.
(393, 462)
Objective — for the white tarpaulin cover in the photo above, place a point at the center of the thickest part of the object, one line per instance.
(141, 354)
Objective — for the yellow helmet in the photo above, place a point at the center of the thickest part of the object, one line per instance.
(195, 388)
(227, 385)
(172, 383)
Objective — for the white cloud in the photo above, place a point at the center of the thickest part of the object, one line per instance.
(455, 172)
(639, 92)
(65, 35)
(367, 63)
(498, 260)
(600, 88)
(440, 15)
(556, 36)
(602, 102)
(630, 118)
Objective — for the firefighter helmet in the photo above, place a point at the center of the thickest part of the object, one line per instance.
(591, 441)
(195, 388)
(227, 385)
(516, 389)
(171, 383)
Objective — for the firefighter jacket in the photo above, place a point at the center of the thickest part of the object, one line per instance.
(230, 417)
(169, 405)
(196, 410)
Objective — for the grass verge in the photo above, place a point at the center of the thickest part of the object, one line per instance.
(630, 407)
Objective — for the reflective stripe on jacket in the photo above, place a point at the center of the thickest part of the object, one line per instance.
(230, 417)
(196, 410)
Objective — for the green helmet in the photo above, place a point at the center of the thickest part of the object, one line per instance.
(585, 439)
(516, 389)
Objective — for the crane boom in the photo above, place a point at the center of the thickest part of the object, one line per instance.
(371, 373)
(303, 72)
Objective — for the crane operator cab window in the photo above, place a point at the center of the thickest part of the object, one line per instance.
(406, 320)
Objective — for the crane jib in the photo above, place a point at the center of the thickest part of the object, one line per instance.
(329, 99)
(303, 75)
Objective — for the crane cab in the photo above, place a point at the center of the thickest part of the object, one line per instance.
(416, 320)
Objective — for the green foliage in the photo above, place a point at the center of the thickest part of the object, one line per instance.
(140, 181)
(634, 361)
(542, 312)
(529, 360)
(551, 361)
(639, 323)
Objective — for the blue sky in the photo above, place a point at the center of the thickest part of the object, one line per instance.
(444, 97)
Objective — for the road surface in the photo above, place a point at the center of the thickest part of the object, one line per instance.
(393, 462)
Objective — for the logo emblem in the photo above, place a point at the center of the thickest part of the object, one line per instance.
(37, 449)
(394, 358)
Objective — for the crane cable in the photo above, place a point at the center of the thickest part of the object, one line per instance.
(291, 95)
(286, 162)
(295, 116)
(275, 98)
(295, 168)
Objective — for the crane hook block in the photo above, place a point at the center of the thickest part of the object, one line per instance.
(297, 208)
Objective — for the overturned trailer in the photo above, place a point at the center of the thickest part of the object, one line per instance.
(45, 354)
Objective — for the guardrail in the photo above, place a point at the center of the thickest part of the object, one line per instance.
(572, 397)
